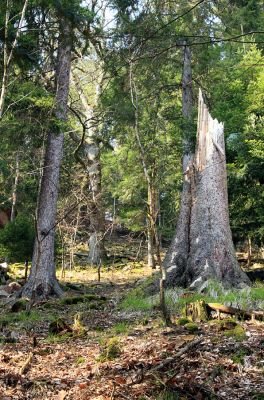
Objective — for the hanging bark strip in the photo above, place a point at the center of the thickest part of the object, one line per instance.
(210, 251)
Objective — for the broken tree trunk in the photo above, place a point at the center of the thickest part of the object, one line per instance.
(210, 252)
(93, 188)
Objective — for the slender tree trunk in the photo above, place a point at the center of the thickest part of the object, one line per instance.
(92, 164)
(249, 253)
(42, 281)
(151, 239)
(14, 194)
(176, 258)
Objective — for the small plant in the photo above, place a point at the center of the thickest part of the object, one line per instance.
(77, 324)
(110, 350)
(80, 360)
(239, 355)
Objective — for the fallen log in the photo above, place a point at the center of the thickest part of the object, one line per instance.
(236, 311)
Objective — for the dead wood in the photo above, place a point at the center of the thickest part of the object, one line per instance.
(236, 311)
(170, 360)
(27, 363)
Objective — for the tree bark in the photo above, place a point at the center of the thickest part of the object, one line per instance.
(92, 165)
(210, 252)
(42, 281)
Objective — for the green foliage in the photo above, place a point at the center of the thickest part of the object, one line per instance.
(17, 239)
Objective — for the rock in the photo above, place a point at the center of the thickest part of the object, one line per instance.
(4, 265)
(3, 293)
(19, 305)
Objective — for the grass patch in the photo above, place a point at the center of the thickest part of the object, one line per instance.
(137, 299)
(183, 321)
(133, 302)
(248, 298)
(121, 328)
(22, 317)
(54, 339)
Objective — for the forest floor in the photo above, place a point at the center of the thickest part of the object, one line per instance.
(99, 342)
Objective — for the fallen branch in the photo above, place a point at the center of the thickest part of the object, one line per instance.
(236, 311)
(170, 360)
(26, 365)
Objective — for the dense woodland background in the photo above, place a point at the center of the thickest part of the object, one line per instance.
(115, 45)
(98, 115)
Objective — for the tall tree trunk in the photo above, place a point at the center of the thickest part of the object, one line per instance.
(176, 258)
(42, 281)
(14, 194)
(210, 253)
(92, 164)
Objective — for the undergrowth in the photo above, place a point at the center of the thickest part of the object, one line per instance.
(177, 298)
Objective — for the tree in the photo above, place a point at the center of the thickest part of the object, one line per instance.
(42, 281)
(209, 251)
(91, 163)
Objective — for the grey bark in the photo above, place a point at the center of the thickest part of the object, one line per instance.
(93, 188)
(211, 253)
(42, 281)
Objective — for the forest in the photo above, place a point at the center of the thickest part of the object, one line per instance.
(132, 199)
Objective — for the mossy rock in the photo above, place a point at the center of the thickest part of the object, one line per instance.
(58, 326)
(183, 321)
(191, 327)
(19, 305)
(82, 299)
(224, 324)
(238, 333)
